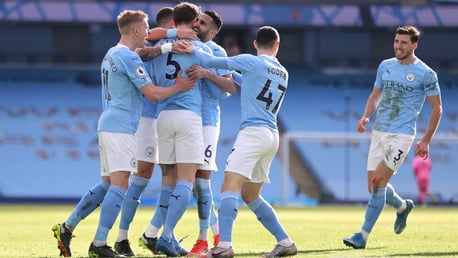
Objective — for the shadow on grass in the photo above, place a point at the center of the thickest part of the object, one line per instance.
(450, 254)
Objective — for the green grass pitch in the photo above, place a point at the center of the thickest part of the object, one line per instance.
(25, 231)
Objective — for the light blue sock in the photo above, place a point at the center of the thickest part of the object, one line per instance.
(227, 214)
(374, 208)
(267, 216)
(163, 202)
(88, 203)
(156, 220)
(204, 202)
(392, 198)
(111, 206)
(132, 201)
(178, 203)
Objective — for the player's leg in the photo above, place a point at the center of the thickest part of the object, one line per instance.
(203, 194)
(149, 238)
(87, 204)
(147, 156)
(250, 193)
(185, 129)
(120, 149)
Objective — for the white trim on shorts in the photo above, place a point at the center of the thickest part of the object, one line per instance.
(389, 148)
(253, 152)
(180, 137)
(117, 152)
(146, 138)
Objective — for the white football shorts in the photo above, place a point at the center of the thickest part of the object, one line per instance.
(389, 148)
(146, 137)
(253, 152)
(180, 137)
(117, 152)
(211, 136)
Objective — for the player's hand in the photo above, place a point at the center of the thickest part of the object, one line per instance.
(187, 34)
(197, 72)
(184, 84)
(182, 47)
(361, 126)
(422, 149)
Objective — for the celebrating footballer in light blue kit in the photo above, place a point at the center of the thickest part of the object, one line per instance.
(124, 82)
(217, 84)
(147, 156)
(401, 86)
(179, 128)
(263, 89)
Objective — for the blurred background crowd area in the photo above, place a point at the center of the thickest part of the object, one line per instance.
(314, 34)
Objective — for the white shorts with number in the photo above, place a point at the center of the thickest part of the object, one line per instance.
(146, 137)
(253, 152)
(180, 137)
(117, 152)
(211, 135)
(389, 148)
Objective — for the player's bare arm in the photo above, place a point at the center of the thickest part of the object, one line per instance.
(371, 106)
(149, 53)
(161, 33)
(422, 146)
(154, 93)
(225, 83)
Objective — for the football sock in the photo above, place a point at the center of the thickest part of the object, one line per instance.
(204, 206)
(374, 208)
(392, 198)
(87, 204)
(227, 214)
(267, 216)
(164, 198)
(111, 206)
(178, 203)
(130, 205)
(132, 200)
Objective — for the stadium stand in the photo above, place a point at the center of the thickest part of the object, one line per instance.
(48, 138)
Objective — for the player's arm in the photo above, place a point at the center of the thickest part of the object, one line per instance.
(225, 83)
(371, 106)
(422, 146)
(161, 33)
(154, 93)
(237, 78)
(149, 53)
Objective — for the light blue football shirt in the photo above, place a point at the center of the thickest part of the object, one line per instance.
(263, 86)
(166, 68)
(123, 74)
(149, 107)
(212, 94)
(404, 89)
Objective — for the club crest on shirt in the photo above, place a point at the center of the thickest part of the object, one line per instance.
(410, 77)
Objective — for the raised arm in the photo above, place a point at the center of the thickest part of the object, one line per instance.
(149, 53)
(158, 33)
(154, 93)
(225, 83)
